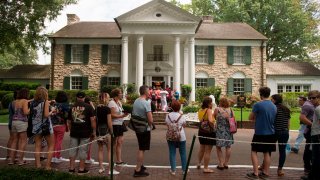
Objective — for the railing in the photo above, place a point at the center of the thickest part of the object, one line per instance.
(158, 57)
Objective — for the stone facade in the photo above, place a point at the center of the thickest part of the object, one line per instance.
(221, 71)
(94, 70)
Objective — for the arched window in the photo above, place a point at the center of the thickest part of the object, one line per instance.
(111, 79)
(203, 80)
(239, 84)
(76, 81)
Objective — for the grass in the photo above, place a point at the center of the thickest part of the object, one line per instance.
(294, 121)
(40, 174)
(4, 118)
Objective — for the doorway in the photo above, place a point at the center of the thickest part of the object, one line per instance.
(158, 81)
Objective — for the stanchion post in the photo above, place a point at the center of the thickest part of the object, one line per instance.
(112, 164)
(241, 117)
(189, 157)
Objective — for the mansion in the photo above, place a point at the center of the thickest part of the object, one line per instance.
(158, 42)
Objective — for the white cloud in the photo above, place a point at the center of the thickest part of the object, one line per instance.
(91, 10)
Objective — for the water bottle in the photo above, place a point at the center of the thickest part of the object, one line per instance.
(288, 149)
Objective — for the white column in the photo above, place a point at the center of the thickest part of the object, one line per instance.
(185, 65)
(124, 60)
(139, 63)
(176, 81)
(192, 69)
(168, 81)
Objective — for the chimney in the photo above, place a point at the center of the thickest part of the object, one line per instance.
(207, 19)
(72, 18)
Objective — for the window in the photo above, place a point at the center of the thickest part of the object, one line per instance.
(293, 88)
(280, 89)
(77, 53)
(238, 86)
(113, 81)
(306, 88)
(114, 53)
(238, 54)
(76, 82)
(202, 54)
(288, 88)
(297, 88)
(201, 82)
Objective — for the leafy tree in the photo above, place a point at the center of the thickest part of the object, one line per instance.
(290, 25)
(10, 59)
(21, 23)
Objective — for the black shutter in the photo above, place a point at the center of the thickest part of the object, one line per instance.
(67, 54)
(104, 54)
(230, 55)
(86, 54)
(247, 55)
(248, 85)
(211, 82)
(66, 83)
(230, 86)
(85, 83)
(103, 82)
(211, 54)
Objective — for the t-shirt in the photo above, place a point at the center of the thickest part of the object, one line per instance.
(141, 107)
(176, 95)
(315, 128)
(80, 120)
(307, 109)
(61, 115)
(282, 119)
(174, 116)
(119, 111)
(102, 116)
(265, 112)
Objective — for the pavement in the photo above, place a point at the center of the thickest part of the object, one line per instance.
(157, 159)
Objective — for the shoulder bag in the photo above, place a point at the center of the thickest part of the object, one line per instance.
(205, 126)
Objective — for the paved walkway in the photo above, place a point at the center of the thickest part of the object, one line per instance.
(157, 161)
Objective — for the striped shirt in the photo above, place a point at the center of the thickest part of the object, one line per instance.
(282, 119)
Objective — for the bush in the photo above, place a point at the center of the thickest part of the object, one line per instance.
(202, 92)
(127, 107)
(109, 88)
(3, 93)
(290, 98)
(12, 86)
(186, 90)
(4, 111)
(132, 97)
(6, 100)
(131, 88)
(190, 109)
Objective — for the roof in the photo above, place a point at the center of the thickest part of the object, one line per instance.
(235, 31)
(84, 29)
(30, 71)
(292, 69)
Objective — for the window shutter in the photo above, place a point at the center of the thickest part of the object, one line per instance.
(211, 54)
(230, 86)
(195, 54)
(85, 54)
(85, 83)
(211, 82)
(104, 54)
(248, 85)
(66, 83)
(67, 54)
(103, 82)
(247, 55)
(230, 55)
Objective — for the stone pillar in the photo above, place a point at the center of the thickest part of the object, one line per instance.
(192, 69)
(176, 81)
(185, 65)
(168, 81)
(139, 62)
(124, 60)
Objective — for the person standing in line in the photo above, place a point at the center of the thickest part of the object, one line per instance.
(164, 104)
(59, 116)
(176, 94)
(11, 112)
(89, 159)
(222, 115)
(176, 118)
(117, 114)
(82, 127)
(300, 138)
(158, 97)
(104, 127)
(142, 109)
(206, 114)
(314, 98)
(281, 126)
(264, 115)
(19, 126)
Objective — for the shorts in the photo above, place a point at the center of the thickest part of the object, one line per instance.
(102, 140)
(19, 126)
(205, 141)
(117, 130)
(83, 150)
(264, 147)
(144, 140)
(158, 101)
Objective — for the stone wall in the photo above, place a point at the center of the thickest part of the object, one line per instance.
(221, 71)
(94, 69)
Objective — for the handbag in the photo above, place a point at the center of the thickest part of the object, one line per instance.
(45, 126)
(232, 124)
(138, 124)
(205, 126)
(124, 127)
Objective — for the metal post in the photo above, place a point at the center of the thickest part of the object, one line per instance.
(241, 116)
(112, 164)
(189, 157)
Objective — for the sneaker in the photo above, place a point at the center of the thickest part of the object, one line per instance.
(183, 172)
(304, 178)
(143, 168)
(89, 161)
(85, 171)
(140, 173)
(57, 160)
(252, 176)
(294, 150)
(63, 159)
(115, 172)
(172, 172)
(121, 163)
(101, 170)
(262, 175)
(42, 158)
(53, 160)
(71, 171)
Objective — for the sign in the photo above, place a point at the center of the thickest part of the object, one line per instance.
(241, 101)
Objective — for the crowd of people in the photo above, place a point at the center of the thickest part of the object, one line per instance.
(42, 121)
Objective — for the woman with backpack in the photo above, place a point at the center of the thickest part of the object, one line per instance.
(176, 137)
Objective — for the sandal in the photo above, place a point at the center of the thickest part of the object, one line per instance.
(280, 172)
(22, 163)
(208, 171)
(101, 170)
(220, 167)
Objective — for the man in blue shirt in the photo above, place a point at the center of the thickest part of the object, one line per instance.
(264, 114)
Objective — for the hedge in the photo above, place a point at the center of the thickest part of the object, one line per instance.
(290, 99)
(202, 92)
(12, 86)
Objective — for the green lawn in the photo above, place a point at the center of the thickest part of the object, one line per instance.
(4, 118)
(294, 122)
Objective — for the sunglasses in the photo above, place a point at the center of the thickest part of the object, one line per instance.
(312, 98)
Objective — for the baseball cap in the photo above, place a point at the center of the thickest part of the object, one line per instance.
(81, 94)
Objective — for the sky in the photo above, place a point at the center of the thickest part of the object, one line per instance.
(91, 10)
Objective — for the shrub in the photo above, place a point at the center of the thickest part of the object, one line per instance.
(12, 86)
(202, 92)
(6, 100)
(186, 90)
(132, 97)
(3, 93)
(109, 88)
(183, 101)
(4, 111)
(190, 109)
(127, 107)
(131, 88)
(290, 98)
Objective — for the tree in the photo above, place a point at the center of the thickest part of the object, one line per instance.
(22, 21)
(8, 60)
(289, 25)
